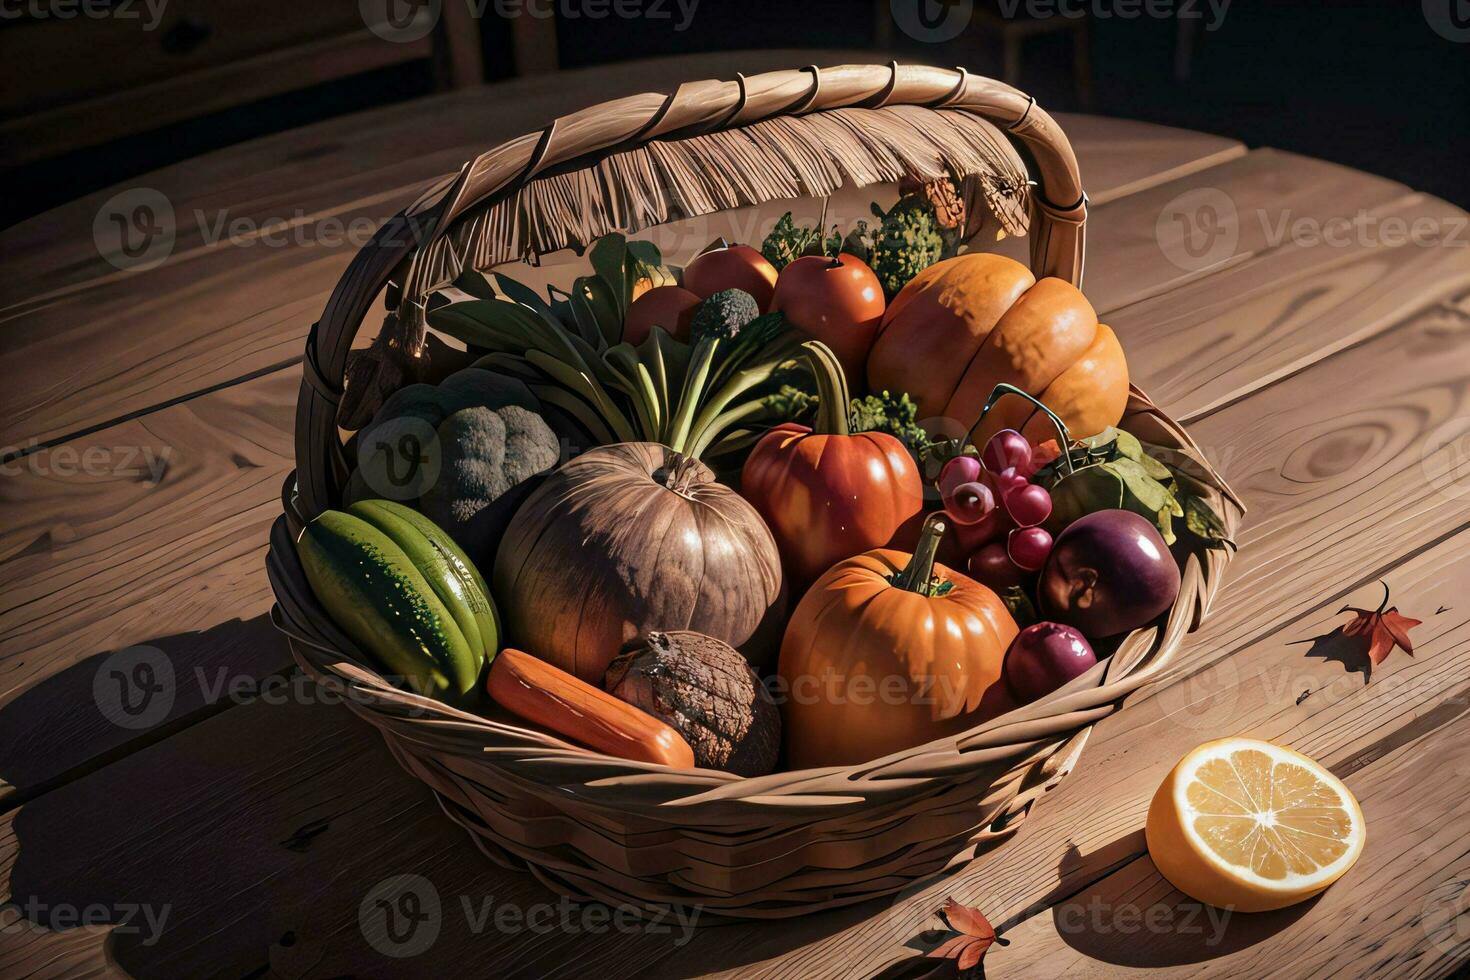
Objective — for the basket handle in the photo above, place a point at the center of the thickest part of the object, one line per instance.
(1057, 227)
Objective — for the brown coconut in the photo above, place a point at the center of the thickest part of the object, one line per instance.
(707, 692)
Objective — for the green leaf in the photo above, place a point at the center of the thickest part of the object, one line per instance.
(1118, 483)
(1150, 493)
(645, 254)
(1202, 520)
(1019, 603)
(609, 256)
(1128, 447)
(595, 311)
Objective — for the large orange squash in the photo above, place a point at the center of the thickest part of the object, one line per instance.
(887, 651)
(966, 324)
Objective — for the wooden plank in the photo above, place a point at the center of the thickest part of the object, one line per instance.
(1299, 687)
(1210, 341)
(1300, 464)
(151, 532)
(1402, 744)
(228, 302)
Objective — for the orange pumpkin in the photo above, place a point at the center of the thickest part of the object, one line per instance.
(828, 493)
(966, 324)
(887, 651)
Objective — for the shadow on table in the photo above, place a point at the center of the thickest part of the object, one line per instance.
(1134, 917)
(107, 704)
(277, 835)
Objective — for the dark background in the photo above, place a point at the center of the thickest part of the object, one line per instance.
(1368, 83)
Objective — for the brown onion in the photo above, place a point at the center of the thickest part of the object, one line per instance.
(630, 538)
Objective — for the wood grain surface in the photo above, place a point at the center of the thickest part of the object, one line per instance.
(1327, 379)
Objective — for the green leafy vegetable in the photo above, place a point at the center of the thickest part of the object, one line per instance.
(895, 415)
(788, 241)
(1114, 469)
(705, 398)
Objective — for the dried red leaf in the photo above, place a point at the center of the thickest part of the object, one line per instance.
(1385, 627)
(976, 935)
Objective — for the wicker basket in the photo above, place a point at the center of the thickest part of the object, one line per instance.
(598, 827)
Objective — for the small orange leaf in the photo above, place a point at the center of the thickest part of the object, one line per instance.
(1385, 628)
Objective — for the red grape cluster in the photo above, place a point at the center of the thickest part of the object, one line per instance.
(994, 495)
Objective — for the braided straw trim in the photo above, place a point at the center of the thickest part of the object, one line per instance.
(634, 162)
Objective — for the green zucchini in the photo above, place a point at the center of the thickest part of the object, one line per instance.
(376, 593)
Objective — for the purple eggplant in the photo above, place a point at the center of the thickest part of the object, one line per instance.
(1109, 572)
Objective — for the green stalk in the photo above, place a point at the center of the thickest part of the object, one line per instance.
(706, 434)
(699, 367)
(917, 575)
(832, 398)
(733, 389)
(1003, 389)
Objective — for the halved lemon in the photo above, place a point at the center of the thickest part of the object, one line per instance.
(1240, 823)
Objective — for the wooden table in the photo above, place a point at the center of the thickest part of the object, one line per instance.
(1320, 357)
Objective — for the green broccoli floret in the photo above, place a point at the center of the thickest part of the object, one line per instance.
(488, 457)
(723, 315)
(909, 241)
(462, 451)
(895, 415)
(790, 403)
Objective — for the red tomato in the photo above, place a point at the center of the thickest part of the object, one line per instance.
(670, 307)
(731, 267)
(829, 494)
(837, 301)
